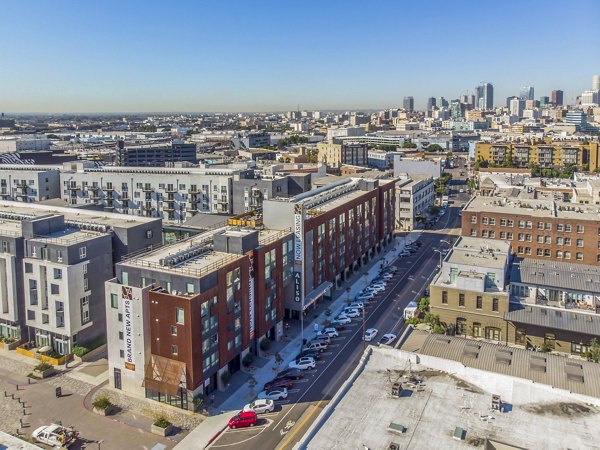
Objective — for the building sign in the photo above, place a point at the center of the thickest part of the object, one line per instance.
(298, 233)
(251, 296)
(127, 299)
(297, 286)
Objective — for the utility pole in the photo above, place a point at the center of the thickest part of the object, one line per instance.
(363, 328)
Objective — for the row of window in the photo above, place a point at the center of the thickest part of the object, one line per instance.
(478, 301)
(546, 252)
(547, 226)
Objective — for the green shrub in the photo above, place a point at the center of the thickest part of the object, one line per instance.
(101, 402)
(43, 366)
(225, 377)
(265, 344)
(80, 351)
(161, 421)
(413, 321)
(248, 360)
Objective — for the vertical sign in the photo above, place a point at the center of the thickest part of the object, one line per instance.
(251, 297)
(127, 299)
(298, 251)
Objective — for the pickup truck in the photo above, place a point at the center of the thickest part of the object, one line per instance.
(55, 435)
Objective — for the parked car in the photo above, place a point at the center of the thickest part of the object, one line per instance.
(370, 334)
(375, 289)
(387, 339)
(329, 331)
(55, 435)
(243, 419)
(306, 362)
(365, 293)
(319, 346)
(341, 321)
(296, 374)
(366, 297)
(387, 276)
(357, 305)
(274, 394)
(278, 383)
(351, 312)
(404, 253)
(260, 406)
(322, 338)
(312, 353)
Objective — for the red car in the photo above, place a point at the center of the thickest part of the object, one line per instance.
(278, 383)
(243, 419)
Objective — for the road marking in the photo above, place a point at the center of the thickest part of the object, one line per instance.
(284, 402)
(293, 391)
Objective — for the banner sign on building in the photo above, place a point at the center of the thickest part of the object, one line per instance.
(127, 299)
(298, 233)
(297, 286)
(251, 297)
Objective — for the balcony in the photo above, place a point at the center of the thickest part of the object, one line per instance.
(95, 197)
(148, 207)
(74, 187)
(194, 191)
(194, 200)
(22, 194)
(4, 194)
(171, 189)
(22, 184)
(148, 188)
(169, 207)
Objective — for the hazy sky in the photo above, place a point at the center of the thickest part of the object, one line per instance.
(252, 55)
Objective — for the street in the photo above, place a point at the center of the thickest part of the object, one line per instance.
(285, 426)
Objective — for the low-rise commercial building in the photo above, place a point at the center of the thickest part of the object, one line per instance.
(470, 294)
(414, 196)
(543, 229)
(347, 152)
(418, 166)
(381, 159)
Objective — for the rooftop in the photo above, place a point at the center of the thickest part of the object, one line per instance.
(556, 274)
(433, 403)
(492, 253)
(68, 236)
(18, 211)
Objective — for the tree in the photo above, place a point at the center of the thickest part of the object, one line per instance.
(408, 144)
(535, 169)
(593, 352)
(472, 184)
(434, 210)
(148, 128)
(434, 148)
(423, 304)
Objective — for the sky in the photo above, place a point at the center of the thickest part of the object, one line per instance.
(203, 56)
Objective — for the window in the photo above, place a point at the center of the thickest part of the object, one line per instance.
(174, 350)
(559, 254)
(461, 300)
(520, 249)
(579, 348)
(540, 225)
(86, 284)
(85, 269)
(189, 288)
(173, 330)
(579, 256)
(580, 228)
(114, 301)
(521, 224)
(59, 256)
(82, 252)
(484, 233)
(122, 353)
(568, 228)
(528, 250)
(149, 234)
(567, 255)
(28, 268)
(503, 235)
(503, 222)
(492, 221)
(444, 297)
(473, 219)
(120, 317)
(495, 304)
(509, 235)
(547, 240)
(521, 237)
(179, 316)
(560, 227)
(559, 241)
(5, 247)
(54, 289)
(547, 252)
(476, 329)
(521, 337)
(85, 310)
(120, 335)
(484, 220)
(493, 334)
(580, 243)
(461, 326)
(473, 232)
(479, 302)
(510, 223)
(57, 274)
(492, 234)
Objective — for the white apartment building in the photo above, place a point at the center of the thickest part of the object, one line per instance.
(25, 183)
(173, 194)
(414, 196)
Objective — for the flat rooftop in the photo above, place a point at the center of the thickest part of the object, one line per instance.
(68, 236)
(557, 274)
(15, 209)
(530, 207)
(479, 252)
(10, 228)
(434, 403)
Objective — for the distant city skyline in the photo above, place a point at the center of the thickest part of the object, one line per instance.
(88, 57)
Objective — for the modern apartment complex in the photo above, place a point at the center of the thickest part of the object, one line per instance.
(346, 152)
(543, 229)
(25, 183)
(156, 155)
(546, 155)
(414, 197)
(471, 293)
(53, 265)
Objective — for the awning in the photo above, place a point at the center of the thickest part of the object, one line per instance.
(163, 375)
(318, 292)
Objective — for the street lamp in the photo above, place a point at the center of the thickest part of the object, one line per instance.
(446, 242)
(440, 252)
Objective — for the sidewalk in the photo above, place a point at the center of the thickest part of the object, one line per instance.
(232, 400)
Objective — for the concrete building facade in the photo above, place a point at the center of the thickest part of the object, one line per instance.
(414, 197)
(25, 183)
(350, 153)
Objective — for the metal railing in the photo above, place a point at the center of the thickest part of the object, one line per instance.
(200, 272)
(272, 238)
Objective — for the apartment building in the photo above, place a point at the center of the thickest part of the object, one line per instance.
(382, 160)
(470, 294)
(53, 264)
(545, 154)
(414, 196)
(181, 315)
(26, 183)
(555, 305)
(347, 152)
(338, 228)
(543, 229)
(418, 166)
(156, 154)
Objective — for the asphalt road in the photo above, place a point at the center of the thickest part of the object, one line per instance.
(292, 416)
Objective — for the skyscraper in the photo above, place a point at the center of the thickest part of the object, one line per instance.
(517, 106)
(456, 109)
(442, 102)
(484, 96)
(526, 93)
(431, 103)
(596, 83)
(409, 104)
(508, 100)
(544, 100)
(557, 97)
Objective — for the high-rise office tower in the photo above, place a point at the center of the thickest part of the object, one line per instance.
(544, 100)
(596, 83)
(508, 100)
(456, 109)
(517, 106)
(431, 103)
(442, 102)
(557, 97)
(409, 104)
(526, 93)
(484, 96)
